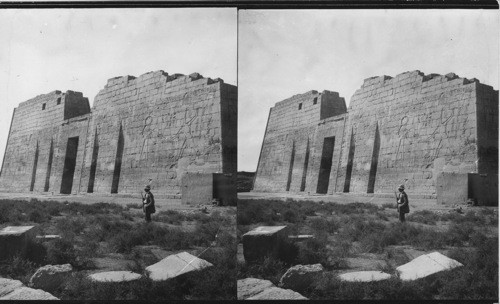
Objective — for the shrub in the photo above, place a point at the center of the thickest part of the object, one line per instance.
(424, 217)
(18, 268)
(61, 251)
(324, 225)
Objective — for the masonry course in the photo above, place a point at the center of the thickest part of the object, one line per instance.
(408, 129)
(151, 129)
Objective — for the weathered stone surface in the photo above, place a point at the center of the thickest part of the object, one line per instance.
(115, 276)
(250, 287)
(15, 290)
(299, 277)
(403, 129)
(49, 277)
(156, 127)
(7, 286)
(426, 265)
(364, 276)
(176, 265)
(276, 293)
(26, 293)
(263, 241)
(14, 240)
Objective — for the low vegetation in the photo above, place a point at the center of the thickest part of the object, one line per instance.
(99, 230)
(349, 231)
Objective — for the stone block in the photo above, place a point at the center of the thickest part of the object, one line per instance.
(364, 276)
(299, 277)
(263, 241)
(50, 277)
(451, 188)
(7, 286)
(115, 276)
(26, 293)
(250, 287)
(176, 265)
(426, 265)
(276, 293)
(14, 240)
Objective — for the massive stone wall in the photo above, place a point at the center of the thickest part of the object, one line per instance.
(291, 153)
(407, 129)
(146, 130)
(38, 135)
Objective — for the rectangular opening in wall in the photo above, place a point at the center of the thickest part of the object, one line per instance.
(290, 169)
(118, 162)
(59, 100)
(300, 106)
(315, 100)
(43, 106)
(304, 171)
(350, 160)
(33, 173)
(373, 167)
(49, 167)
(69, 165)
(93, 164)
(325, 165)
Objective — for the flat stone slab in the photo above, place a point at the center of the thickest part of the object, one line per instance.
(15, 290)
(7, 286)
(48, 237)
(176, 265)
(26, 293)
(301, 237)
(425, 265)
(15, 230)
(364, 276)
(276, 293)
(250, 287)
(115, 276)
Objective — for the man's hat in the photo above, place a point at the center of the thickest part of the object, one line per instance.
(401, 187)
(147, 187)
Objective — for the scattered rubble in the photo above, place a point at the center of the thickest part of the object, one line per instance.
(50, 277)
(299, 277)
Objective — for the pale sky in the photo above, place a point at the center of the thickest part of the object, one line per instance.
(80, 49)
(283, 52)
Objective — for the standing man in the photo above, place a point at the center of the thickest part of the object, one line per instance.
(403, 206)
(148, 203)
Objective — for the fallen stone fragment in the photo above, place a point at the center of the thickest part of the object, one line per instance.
(7, 286)
(14, 240)
(250, 286)
(50, 277)
(426, 265)
(176, 265)
(299, 277)
(15, 290)
(48, 237)
(364, 276)
(263, 241)
(115, 276)
(301, 237)
(276, 293)
(26, 293)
